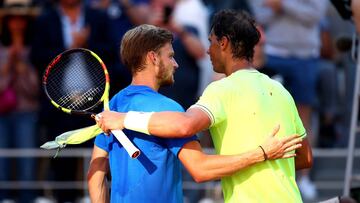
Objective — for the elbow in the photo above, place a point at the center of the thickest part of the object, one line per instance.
(199, 178)
(201, 174)
(198, 173)
(185, 129)
(185, 132)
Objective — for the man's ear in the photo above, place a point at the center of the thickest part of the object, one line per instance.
(224, 42)
(152, 57)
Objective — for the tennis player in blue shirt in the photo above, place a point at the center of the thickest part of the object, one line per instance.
(155, 176)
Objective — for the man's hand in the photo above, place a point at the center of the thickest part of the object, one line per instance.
(110, 120)
(275, 148)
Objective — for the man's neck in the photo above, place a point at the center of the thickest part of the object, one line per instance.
(145, 79)
(235, 65)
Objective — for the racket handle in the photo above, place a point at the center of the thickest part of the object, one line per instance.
(133, 151)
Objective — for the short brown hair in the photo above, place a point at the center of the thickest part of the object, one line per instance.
(138, 41)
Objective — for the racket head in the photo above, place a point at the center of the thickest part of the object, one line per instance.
(76, 81)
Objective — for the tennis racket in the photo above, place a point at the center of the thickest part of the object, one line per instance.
(76, 81)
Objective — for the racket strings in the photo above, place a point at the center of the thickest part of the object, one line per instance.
(77, 81)
(86, 97)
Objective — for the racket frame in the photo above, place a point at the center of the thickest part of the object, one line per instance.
(133, 151)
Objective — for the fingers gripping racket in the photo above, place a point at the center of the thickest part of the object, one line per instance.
(76, 81)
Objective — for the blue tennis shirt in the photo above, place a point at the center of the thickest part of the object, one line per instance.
(155, 176)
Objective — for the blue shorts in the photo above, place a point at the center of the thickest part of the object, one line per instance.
(299, 76)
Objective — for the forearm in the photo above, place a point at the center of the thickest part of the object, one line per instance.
(212, 167)
(205, 167)
(229, 164)
(97, 182)
(167, 124)
(171, 125)
(98, 189)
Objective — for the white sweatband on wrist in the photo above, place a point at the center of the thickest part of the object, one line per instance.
(137, 121)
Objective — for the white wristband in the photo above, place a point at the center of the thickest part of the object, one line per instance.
(137, 121)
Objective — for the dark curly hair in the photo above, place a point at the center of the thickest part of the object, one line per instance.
(240, 28)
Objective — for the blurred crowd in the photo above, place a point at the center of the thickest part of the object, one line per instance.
(305, 45)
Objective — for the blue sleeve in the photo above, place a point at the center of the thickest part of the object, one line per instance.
(175, 144)
(102, 141)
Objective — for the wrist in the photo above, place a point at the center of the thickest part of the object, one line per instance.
(138, 121)
(264, 153)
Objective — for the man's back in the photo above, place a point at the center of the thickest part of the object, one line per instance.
(246, 106)
(156, 175)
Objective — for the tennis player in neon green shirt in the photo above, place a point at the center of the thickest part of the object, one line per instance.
(239, 111)
(241, 108)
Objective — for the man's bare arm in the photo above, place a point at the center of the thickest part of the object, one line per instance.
(304, 158)
(178, 124)
(162, 124)
(204, 167)
(98, 169)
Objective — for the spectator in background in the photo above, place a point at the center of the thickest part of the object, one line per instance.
(292, 49)
(343, 31)
(238, 5)
(19, 81)
(355, 8)
(187, 43)
(327, 86)
(188, 48)
(123, 15)
(194, 13)
(67, 24)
